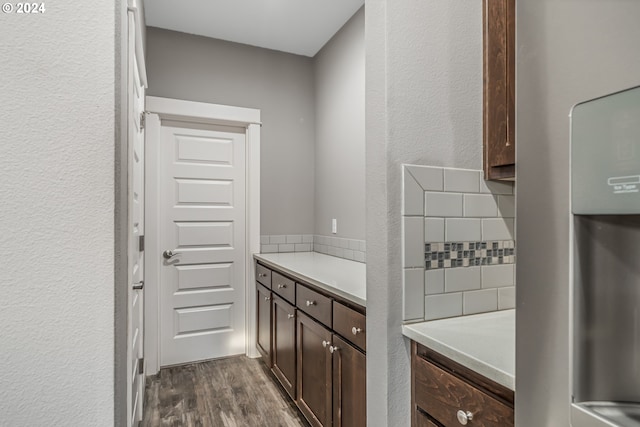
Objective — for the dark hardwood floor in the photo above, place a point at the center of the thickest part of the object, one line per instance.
(233, 392)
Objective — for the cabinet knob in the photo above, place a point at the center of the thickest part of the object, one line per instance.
(310, 303)
(290, 316)
(333, 349)
(281, 286)
(262, 275)
(325, 344)
(464, 417)
(267, 298)
(355, 331)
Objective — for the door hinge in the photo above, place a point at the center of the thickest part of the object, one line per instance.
(142, 120)
(140, 243)
(141, 366)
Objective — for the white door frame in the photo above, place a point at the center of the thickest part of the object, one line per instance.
(196, 112)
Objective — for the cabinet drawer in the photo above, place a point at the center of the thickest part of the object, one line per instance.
(442, 395)
(284, 287)
(423, 421)
(314, 304)
(350, 324)
(263, 275)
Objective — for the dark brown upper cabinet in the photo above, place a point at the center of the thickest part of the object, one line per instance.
(499, 146)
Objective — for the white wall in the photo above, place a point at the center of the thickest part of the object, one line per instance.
(57, 218)
(568, 51)
(423, 106)
(339, 135)
(281, 85)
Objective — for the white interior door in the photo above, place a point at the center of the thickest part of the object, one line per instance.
(135, 315)
(202, 234)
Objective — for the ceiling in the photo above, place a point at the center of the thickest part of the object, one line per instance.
(295, 26)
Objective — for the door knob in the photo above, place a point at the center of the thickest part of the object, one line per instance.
(168, 254)
(138, 286)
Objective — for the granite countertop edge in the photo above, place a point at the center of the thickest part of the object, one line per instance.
(313, 281)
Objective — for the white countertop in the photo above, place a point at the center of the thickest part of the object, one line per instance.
(485, 343)
(342, 277)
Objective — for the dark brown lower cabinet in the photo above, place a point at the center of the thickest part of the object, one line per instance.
(349, 385)
(264, 323)
(284, 344)
(314, 371)
(452, 394)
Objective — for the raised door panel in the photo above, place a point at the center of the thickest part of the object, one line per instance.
(264, 323)
(349, 385)
(284, 344)
(314, 371)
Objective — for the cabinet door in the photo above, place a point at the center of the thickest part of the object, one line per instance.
(349, 385)
(284, 344)
(314, 371)
(499, 89)
(263, 316)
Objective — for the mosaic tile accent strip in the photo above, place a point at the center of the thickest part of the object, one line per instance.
(467, 254)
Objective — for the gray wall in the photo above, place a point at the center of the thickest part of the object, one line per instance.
(568, 51)
(57, 218)
(423, 106)
(281, 85)
(339, 137)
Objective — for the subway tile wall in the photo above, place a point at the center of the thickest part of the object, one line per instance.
(458, 243)
(351, 249)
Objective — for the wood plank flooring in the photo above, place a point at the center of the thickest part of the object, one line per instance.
(233, 392)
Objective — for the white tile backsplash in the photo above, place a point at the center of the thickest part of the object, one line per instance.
(414, 200)
(351, 249)
(506, 298)
(497, 229)
(461, 279)
(443, 305)
(434, 229)
(429, 178)
(496, 187)
(277, 239)
(480, 205)
(442, 204)
(507, 206)
(480, 301)
(462, 180)
(413, 285)
(497, 276)
(294, 238)
(462, 229)
(434, 281)
(413, 255)
(467, 225)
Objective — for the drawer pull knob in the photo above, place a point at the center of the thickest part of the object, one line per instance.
(310, 303)
(262, 275)
(355, 331)
(290, 316)
(464, 417)
(333, 349)
(267, 298)
(281, 286)
(325, 344)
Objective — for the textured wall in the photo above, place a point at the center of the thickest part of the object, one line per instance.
(281, 85)
(568, 51)
(56, 223)
(423, 106)
(339, 137)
